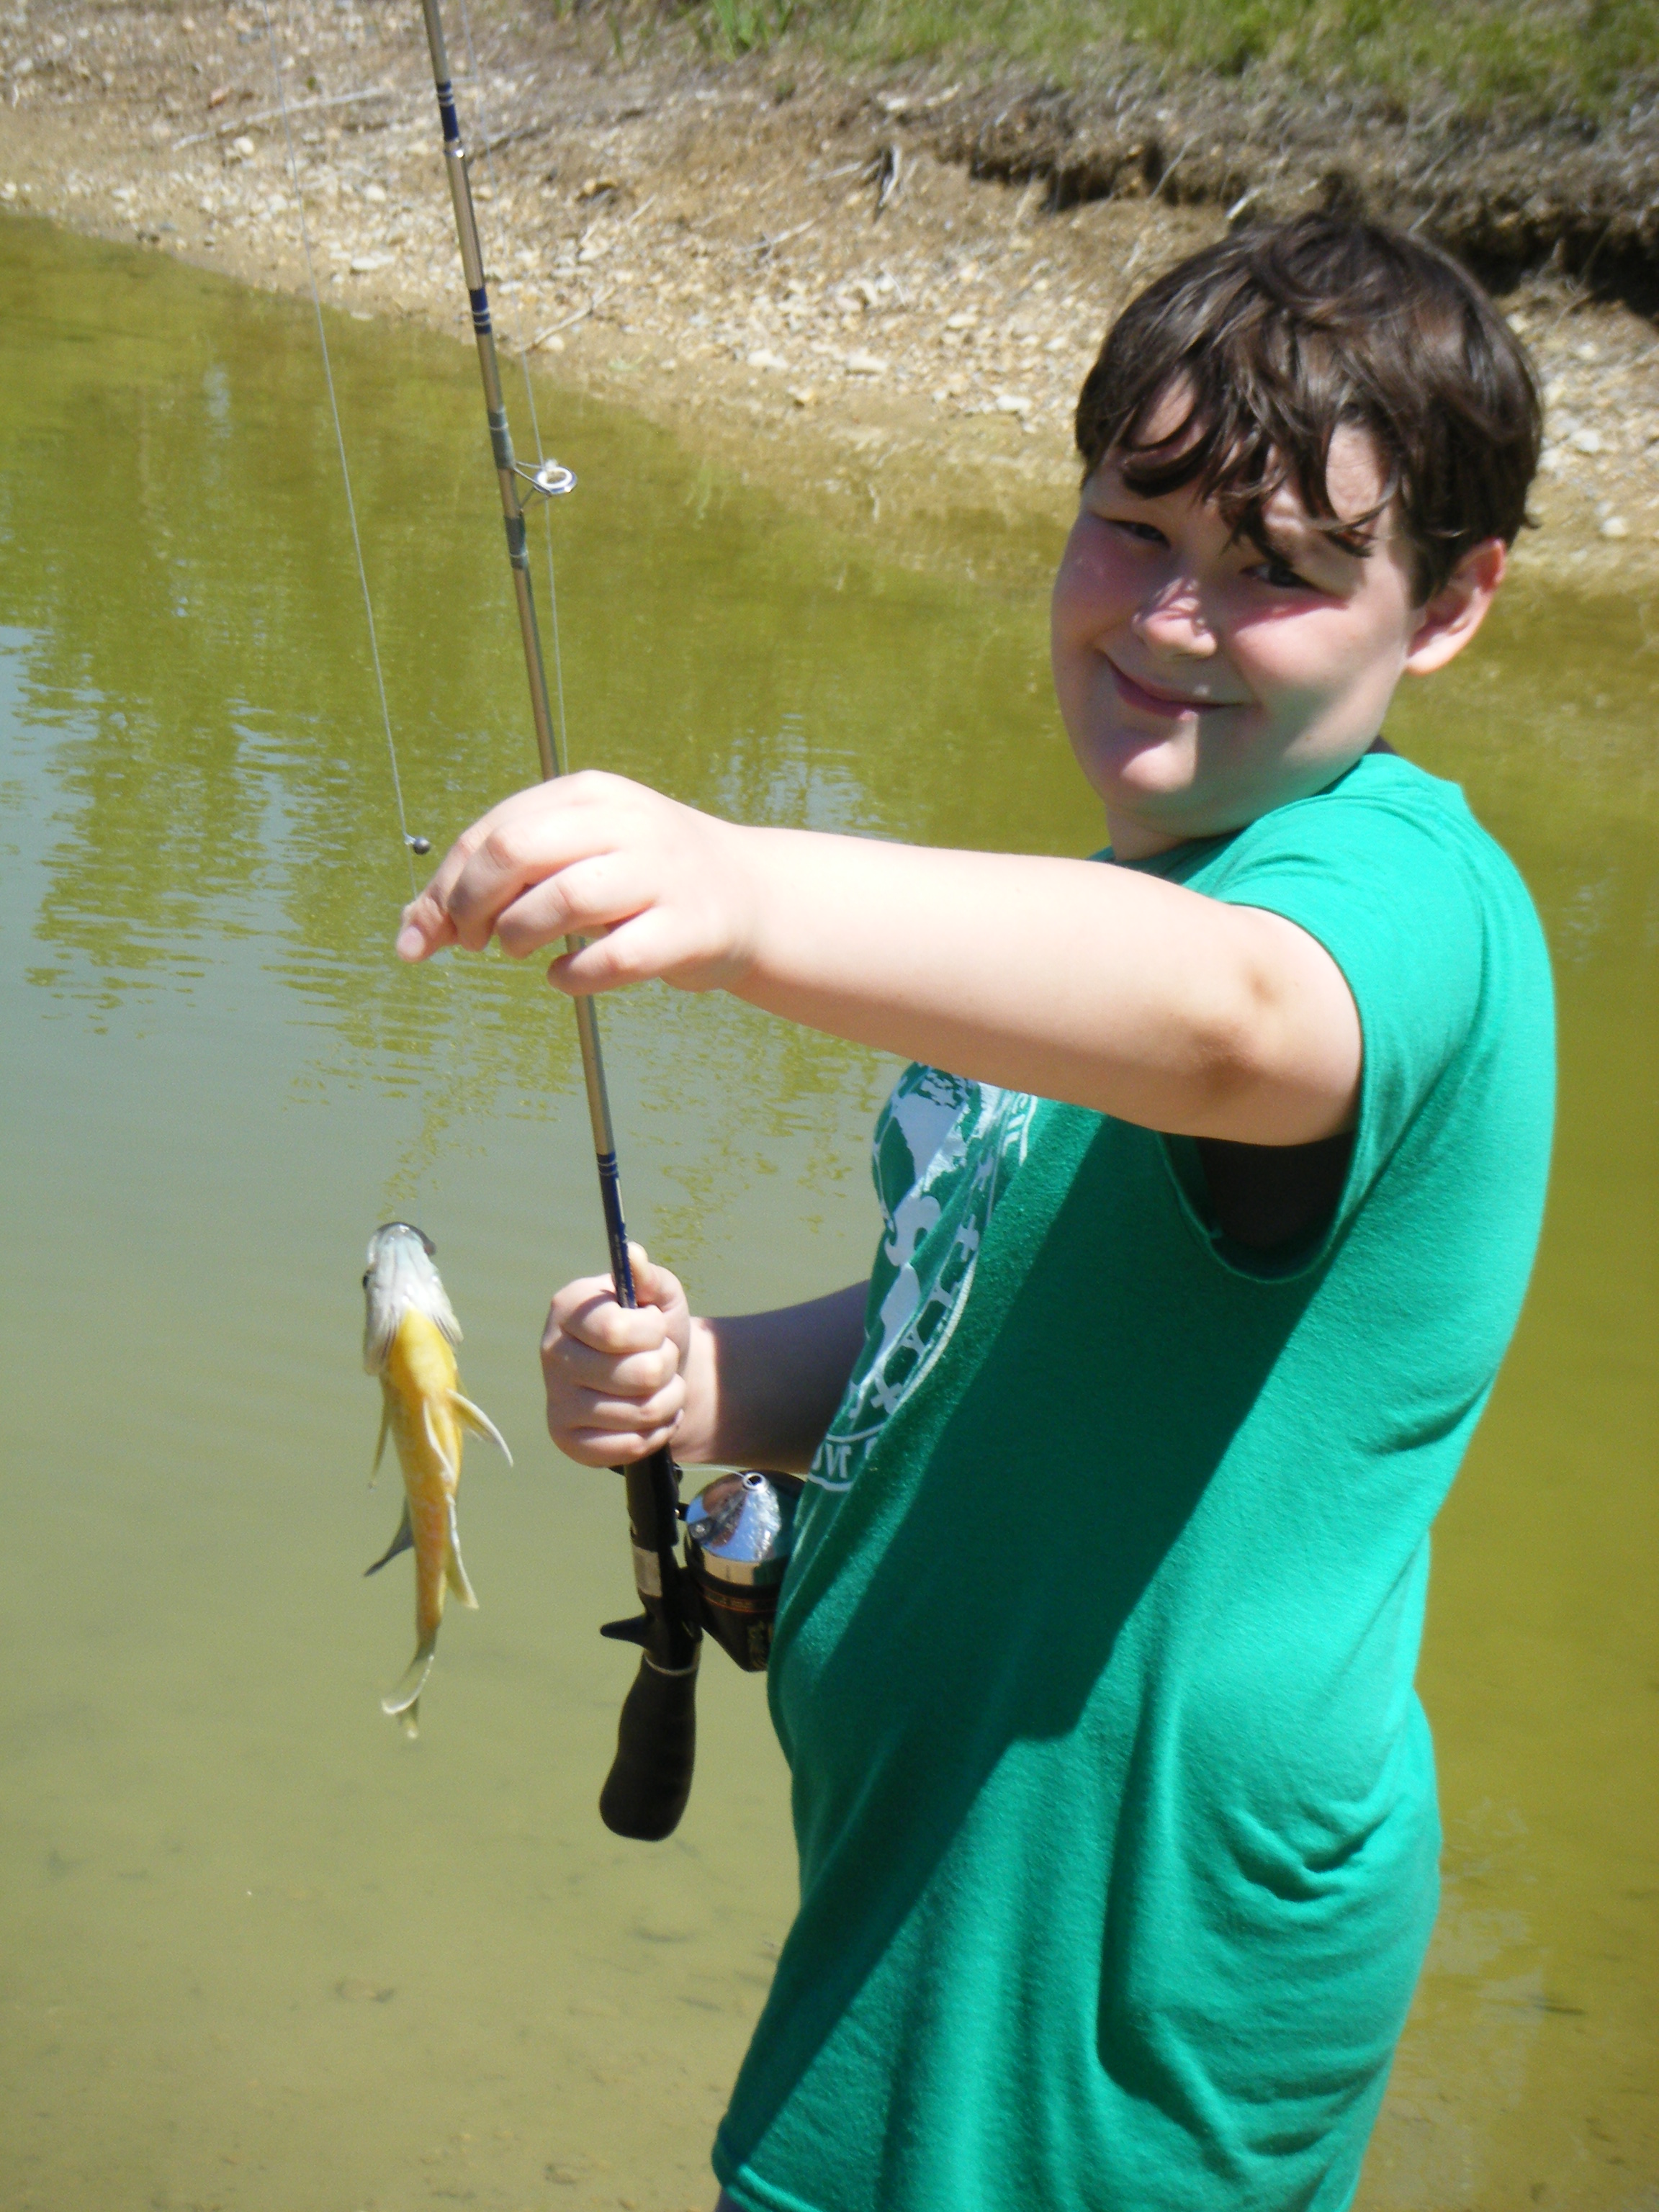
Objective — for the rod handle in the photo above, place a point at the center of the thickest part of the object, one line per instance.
(650, 1779)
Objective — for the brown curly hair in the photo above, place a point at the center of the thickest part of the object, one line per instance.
(1283, 333)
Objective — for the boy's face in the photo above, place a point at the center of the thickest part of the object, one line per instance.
(1203, 681)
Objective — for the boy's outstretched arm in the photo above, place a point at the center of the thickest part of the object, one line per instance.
(1101, 986)
(755, 1391)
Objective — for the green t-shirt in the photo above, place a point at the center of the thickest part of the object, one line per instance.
(1115, 1800)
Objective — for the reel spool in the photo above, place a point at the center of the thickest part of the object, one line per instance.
(739, 1531)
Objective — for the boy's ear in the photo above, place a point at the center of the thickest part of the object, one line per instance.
(1457, 610)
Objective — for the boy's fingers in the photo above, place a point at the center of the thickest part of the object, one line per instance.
(629, 1417)
(599, 1448)
(634, 1375)
(586, 897)
(600, 1323)
(505, 851)
(515, 853)
(571, 1297)
(427, 924)
(424, 929)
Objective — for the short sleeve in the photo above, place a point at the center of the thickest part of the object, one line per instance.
(1396, 897)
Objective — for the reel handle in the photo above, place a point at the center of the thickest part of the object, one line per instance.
(650, 1779)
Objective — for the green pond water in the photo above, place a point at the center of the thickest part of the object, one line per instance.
(257, 1951)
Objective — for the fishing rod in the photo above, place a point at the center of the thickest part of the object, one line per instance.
(738, 1529)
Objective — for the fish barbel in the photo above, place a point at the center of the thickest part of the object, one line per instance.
(409, 1332)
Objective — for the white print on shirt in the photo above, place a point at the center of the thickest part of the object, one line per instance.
(934, 1130)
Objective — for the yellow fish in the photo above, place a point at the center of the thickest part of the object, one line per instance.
(409, 1330)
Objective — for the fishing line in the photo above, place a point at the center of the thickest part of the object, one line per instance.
(411, 845)
(529, 392)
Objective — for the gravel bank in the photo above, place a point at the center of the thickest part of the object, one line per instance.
(842, 289)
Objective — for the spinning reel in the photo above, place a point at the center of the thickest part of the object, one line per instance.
(739, 1531)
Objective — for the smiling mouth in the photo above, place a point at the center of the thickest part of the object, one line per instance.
(1151, 699)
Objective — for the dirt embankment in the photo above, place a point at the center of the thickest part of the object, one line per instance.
(881, 296)
(1512, 194)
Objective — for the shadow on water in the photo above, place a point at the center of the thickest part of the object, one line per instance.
(258, 1952)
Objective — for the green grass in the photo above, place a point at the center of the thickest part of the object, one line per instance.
(1545, 56)
(743, 25)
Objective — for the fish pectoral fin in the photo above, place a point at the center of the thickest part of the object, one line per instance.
(400, 1704)
(479, 1422)
(452, 1472)
(403, 1541)
(380, 1448)
(454, 1572)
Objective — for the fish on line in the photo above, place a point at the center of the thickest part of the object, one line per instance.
(409, 1333)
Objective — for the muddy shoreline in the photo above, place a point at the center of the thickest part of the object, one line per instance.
(879, 297)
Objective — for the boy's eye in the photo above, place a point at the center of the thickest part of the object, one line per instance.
(1279, 574)
(1147, 533)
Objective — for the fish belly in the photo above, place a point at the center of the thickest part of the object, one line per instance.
(420, 1378)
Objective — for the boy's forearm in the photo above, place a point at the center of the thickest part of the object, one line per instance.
(762, 1388)
(1101, 986)
(1097, 985)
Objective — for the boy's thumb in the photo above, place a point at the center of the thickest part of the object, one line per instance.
(652, 1285)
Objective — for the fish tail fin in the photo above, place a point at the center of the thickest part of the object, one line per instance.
(479, 1422)
(402, 1704)
(454, 1571)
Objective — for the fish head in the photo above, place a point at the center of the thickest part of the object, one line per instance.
(400, 1278)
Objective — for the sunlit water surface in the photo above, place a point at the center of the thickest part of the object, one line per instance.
(257, 1951)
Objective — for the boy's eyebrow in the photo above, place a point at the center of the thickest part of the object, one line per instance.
(1357, 539)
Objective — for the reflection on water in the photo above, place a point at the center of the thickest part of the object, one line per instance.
(258, 1952)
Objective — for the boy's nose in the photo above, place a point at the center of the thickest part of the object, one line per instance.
(1173, 621)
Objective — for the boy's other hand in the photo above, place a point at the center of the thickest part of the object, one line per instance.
(660, 888)
(616, 1375)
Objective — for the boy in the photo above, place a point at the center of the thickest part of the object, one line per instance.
(1209, 1207)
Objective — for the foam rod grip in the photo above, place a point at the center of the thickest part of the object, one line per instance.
(650, 1778)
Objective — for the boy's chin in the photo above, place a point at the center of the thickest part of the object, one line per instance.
(1168, 791)
(1148, 814)
(1155, 784)
(1129, 769)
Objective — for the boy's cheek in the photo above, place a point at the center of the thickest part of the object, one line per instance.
(1076, 675)
(1078, 628)
(1086, 585)
(1092, 601)
(1067, 650)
